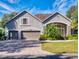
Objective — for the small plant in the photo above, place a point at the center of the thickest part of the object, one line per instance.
(75, 36)
(72, 37)
(69, 37)
(43, 37)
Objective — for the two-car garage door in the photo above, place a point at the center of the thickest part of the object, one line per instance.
(30, 35)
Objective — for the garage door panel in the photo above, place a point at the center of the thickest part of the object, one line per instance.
(30, 35)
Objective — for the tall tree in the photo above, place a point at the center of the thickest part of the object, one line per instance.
(7, 17)
(72, 13)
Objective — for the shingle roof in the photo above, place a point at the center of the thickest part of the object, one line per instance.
(42, 16)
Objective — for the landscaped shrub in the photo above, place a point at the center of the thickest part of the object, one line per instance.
(43, 37)
(2, 34)
(75, 36)
(69, 37)
(72, 37)
(52, 32)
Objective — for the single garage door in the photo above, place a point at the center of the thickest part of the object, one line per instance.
(13, 34)
(30, 35)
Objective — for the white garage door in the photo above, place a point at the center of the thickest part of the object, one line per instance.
(30, 35)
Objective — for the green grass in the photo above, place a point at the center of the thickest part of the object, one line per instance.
(61, 47)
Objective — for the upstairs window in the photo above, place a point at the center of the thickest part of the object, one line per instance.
(25, 21)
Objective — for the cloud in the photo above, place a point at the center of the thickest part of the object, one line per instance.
(4, 11)
(6, 7)
(34, 10)
(58, 4)
(13, 1)
(63, 5)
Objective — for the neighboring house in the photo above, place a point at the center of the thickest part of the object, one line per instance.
(27, 26)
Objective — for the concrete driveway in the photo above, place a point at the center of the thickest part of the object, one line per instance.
(28, 49)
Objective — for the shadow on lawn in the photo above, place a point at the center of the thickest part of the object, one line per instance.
(58, 56)
(17, 45)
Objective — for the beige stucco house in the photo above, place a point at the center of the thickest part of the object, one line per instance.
(26, 26)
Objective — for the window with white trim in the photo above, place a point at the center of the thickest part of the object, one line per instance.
(25, 21)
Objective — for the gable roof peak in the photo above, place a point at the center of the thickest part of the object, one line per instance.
(23, 12)
(55, 14)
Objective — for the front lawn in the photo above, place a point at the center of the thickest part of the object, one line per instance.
(61, 47)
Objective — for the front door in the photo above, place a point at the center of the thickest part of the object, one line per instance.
(13, 34)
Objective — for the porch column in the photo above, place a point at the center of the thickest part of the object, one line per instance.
(19, 34)
(68, 31)
(43, 29)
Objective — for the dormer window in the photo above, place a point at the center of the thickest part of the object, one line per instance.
(25, 21)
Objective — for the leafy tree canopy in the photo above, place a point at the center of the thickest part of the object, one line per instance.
(7, 17)
(72, 13)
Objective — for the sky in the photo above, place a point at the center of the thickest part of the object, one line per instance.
(36, 6)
